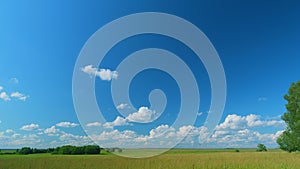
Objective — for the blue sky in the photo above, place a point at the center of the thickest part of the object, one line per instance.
(257, 42)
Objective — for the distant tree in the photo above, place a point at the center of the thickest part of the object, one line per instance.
(289, 140)
(110, 150)
(92, 149)
(50, 150)
(34, 151)
(56, 150)
(38, 151)
(25, 150)
(77, 150)
(261, 148)
(66, 149)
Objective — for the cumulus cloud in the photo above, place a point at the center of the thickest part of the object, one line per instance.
(236, 122)
(4, 96)
(161, 136)
(2, 135)
(119, 121)
(18, 140)
(143, 115)
(14, 80)
(71, 139)
(30, 127)
(233, 121)
(104, 74)
(242, 131)
(1, 88)
(67, 124)
(93, 124)
(123, 106)
(242, 138)
(115, 135)
(235, 131)
(262, 99)
(52, 131)
(9, 131)
(19, 96)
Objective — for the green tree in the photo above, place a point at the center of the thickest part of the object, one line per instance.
(289, 140)
(25, 150)
(92, 149)
(261, 148)
(77, 150)
(68, 149)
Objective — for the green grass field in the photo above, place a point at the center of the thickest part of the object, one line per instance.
(174, 159)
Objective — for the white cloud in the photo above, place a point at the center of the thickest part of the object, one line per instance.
(67, 124)
(123, 106)
(262, 99)
(1, 88)
(235, 122)
(9, 131)
(159, 137)
(93, 124)
(18, 140)
(15, 135)
(115, 135)
(104, 74)
(52, 131)
(160, 130)
(235, 131)
(119, 121)
(242, 138)
(19, 96)
(14, 80)
(30, 127)
(4, 96)
(199, 113)
(244, 131)
(143, 115)
(76, 140)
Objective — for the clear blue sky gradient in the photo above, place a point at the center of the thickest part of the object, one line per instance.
(258, 43)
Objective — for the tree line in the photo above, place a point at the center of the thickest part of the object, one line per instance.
(66, 150)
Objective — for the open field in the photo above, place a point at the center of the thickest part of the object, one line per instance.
(7, 151)
(174, 159)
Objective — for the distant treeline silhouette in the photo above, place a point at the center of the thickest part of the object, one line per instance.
(67, 150)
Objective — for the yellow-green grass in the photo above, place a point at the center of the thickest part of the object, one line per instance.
(174, 159)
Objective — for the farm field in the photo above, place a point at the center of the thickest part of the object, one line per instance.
(173, 159)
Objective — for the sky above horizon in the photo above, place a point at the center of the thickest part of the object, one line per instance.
(257, 42)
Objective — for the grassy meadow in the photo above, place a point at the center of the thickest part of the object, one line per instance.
(173, 159)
